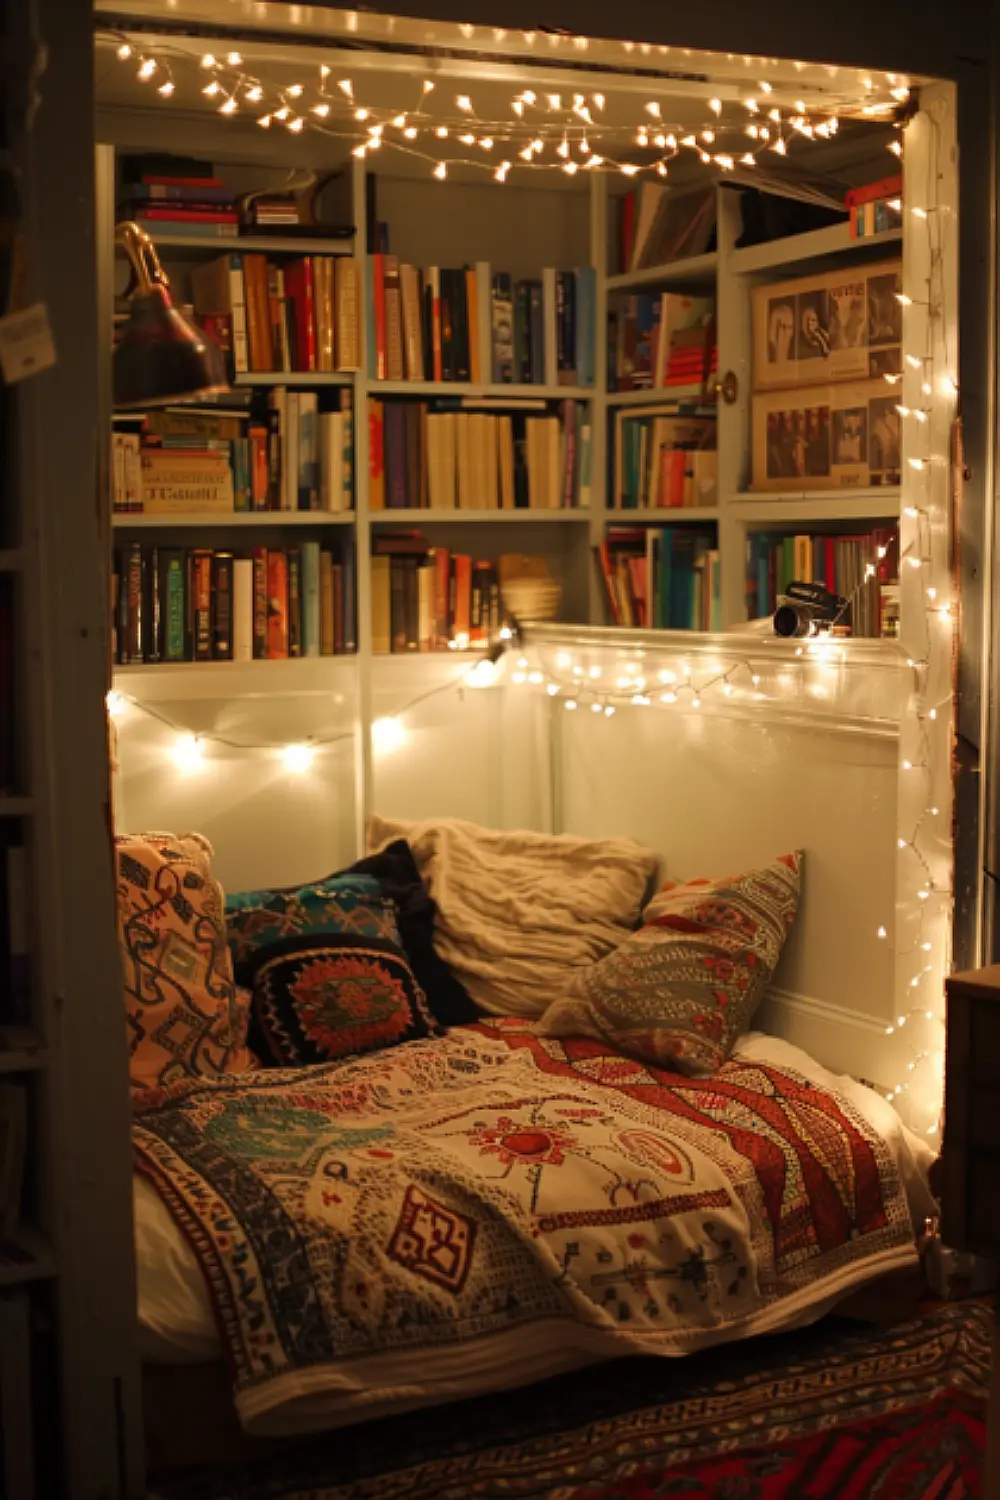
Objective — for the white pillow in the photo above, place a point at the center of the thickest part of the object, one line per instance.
(519, 911)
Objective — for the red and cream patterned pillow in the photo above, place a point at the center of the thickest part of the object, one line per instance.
(682, 989)
(185, 1015)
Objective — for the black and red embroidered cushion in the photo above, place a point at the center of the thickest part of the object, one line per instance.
(327, 971)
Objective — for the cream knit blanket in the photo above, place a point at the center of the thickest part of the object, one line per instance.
(519, 912)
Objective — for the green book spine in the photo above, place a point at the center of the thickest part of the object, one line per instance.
(173, 606)
(310, 599)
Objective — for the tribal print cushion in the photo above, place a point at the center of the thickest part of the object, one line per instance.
(327, 972)
(681, 990)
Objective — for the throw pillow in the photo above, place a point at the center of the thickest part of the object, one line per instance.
(396, 871)
(327, 971)
(185, 1016)
(516, 910)
(680, 991)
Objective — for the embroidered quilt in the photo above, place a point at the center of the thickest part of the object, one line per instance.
(459, 1214)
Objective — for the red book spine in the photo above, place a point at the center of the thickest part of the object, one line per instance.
(190, 215)
(201, 592)
(461, 624)
(307, 315)
(258, 468)
(151, 180)
(277, 606)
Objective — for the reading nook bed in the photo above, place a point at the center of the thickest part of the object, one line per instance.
(532, 1100)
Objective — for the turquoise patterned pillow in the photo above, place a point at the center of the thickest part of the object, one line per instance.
(326, 969)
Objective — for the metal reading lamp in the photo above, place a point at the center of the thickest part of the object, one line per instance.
(160, 356)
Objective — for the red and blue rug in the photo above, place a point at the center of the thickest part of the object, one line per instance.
(829, 1413)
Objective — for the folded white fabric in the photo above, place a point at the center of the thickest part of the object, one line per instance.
(519, 911)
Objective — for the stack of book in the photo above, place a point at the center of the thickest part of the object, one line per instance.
(664, 460)
(281, 314)
(661, 578)
(840, 563)
(658, 224)
(176, 196)
(875, 208)
(425, 598)
(662, 340)
(444, 456)
(481, 326)
(176, 604)
(281, 453)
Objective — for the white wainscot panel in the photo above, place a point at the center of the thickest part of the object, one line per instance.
(715, 795)
(467, 752)
(269, 825)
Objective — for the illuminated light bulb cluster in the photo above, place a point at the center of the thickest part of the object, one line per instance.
(330, 107)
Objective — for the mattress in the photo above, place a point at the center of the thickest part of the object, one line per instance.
(177, 1323)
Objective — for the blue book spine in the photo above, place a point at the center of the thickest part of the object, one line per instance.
(586, 324)
(310, 598)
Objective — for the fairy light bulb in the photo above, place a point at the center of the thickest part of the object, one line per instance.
(228, 107)
(411, 132)
(294, 91)
(166, 88)
(322, 110)
(282, 113)
(441, 171)
(212, 88)
(298, 758)
(256, 93)
(264, 121)
(361, 114)
(399, 122)
(652, 108)
(464, 103)
(517, 105)
(124, 52)
(570, 705)
(233, 59)
(501, 172)
(187, 752)
(347, 87)
(208, 61)
(441, 131)
(427, 86)
(486, 143)
(467, 140)
(571, 168)
(715, 105)
(297, 125)
(555, 101)
(147, 68)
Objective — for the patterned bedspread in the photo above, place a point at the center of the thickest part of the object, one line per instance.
(457, 1215)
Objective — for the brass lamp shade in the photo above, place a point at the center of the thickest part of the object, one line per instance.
(160, 356)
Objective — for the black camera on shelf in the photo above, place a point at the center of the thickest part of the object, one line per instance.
(808, 609)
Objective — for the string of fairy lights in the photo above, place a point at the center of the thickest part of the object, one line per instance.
(545, 130)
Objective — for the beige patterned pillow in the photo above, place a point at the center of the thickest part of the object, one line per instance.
(185, 1015)
(681, 990)
(517, 910)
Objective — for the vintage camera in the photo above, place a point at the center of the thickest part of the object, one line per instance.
(807, 609)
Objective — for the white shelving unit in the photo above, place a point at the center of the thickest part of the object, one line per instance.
(565, 537)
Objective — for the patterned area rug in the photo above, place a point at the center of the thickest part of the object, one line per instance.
(829, 1413)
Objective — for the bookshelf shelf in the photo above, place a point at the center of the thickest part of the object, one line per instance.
(11, 560)
(239, 518)
(16, 807)
(817, 505)
(462, 391)
(797, 249)
(24, 1257)
(491, 517)
(662, 515)
(682, 395)
(193, 245)
(696, 271)
(306, 378)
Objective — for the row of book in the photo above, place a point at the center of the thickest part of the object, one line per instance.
(282, 314)
(426, 598)
(661, 578)
(447, 457)
(662, 459)
(876, 207)
(661, 340)
(289, 450)
(173, 604)
(474, 324)
(854, 567)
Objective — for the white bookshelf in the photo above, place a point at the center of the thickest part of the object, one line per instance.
(565, 537)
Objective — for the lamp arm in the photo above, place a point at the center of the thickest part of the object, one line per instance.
(142, 254)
